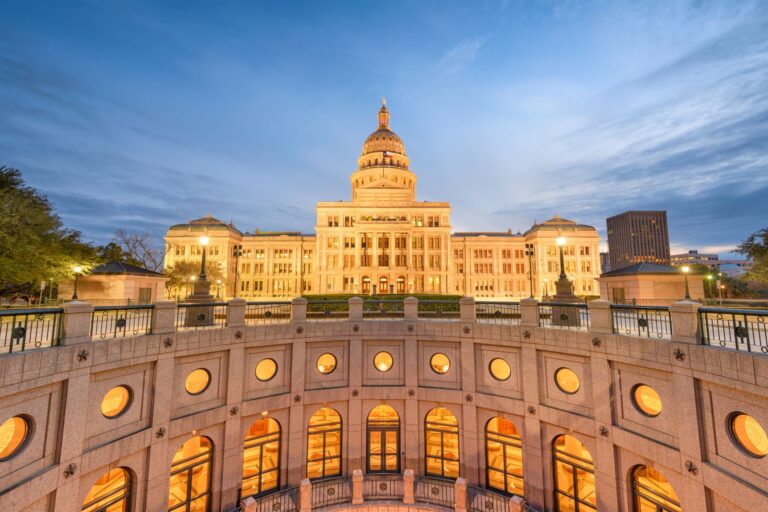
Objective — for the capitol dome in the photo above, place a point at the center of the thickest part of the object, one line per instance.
(383, 147)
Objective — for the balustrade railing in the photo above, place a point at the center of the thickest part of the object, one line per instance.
(331, 492)
(204, 315)
(439, 309)
(434, 491)
(739, 329)
(262, 313)
(120, 321)
(485, 500)
(498, 312)
(647, 321)
(286, 500)
(383, 487)
(24, 329)
(327, 310)
(564, 315)
(383, 309)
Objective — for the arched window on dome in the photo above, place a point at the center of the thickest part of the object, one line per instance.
(504, 456)
(442, 443)
(574, 476)
(652, 492)
(111, 492)
(324, 444)
(190, 483)
(261, 458)
(383, 427)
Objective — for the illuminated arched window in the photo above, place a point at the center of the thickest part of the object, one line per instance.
(190, 482)
(652, 492)
(504, 456)
(442, 446)
(110, 493)
(324, 444)
(383, 440)
(261, 458)
(574, 476)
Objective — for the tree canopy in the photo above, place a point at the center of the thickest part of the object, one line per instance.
(755, 247)
(34, 244)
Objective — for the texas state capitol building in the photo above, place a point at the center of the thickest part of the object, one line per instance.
(385, 241)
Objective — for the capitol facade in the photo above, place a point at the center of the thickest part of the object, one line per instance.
(384, 241)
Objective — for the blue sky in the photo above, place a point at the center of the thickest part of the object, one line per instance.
(139, 115)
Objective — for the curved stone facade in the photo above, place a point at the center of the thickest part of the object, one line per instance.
(72, 443)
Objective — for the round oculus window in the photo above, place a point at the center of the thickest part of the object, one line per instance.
(383, 361)
(567, 380)
(266, 369)
(749, 434)
(14, 433)
(197, 381)
(647, 400)
(500, 369)
(440, 363)
(326, 363)
(115, 401)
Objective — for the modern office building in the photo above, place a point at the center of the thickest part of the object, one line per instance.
(637, 237)
(694, 257)
(386, 241)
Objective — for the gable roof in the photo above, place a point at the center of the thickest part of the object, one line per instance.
(643, 268)
(115, 267)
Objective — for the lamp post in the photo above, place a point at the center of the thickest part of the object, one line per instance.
(720, 288)
(78, 269)
(685, 270)
(529, 252)
(709, 284)
(237, 251)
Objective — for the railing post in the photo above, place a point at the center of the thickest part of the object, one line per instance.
(236, 313)
(76, 323)
(357, 487)
(248, 504)
(163, 317)
(408, 487)
(460, 495)
(355, 308)
(684, 316)
(467, 310)
(305, 496)
(600, 316)
(516, 504)
(299, 309)
(529, 313)
(411, 308)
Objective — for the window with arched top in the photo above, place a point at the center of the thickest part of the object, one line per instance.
(574, 476)
(261, 458)
(504, 456)
(324, 444)
(652, 492)
(110, 493)
(383, 428)
(442, 443)
(190, 481)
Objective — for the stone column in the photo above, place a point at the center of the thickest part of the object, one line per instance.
(467, 309)
(408, 498)
(460, 495)
(236, 313)
(299, 310)
(73, 427)
(600, 316)
(411, 308)
(529, 313)
(76, 323)
(297, 439)
(357, 487)
(305, 496)
(685, 321)
(164, 317)
(248, 504)
(516, 504)
(355, 308)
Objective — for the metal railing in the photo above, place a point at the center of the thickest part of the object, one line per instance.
(498, 312)
(204, 315)
(439, 309)
(327, 310)
(331, 492)
(739, 329)
(24, 329)
(564, 315)
(486, 500)
(262, 313)
(648, 321)
(383, 309)
(285, 500)
(383, 487)
(121, 321)
(434, 491)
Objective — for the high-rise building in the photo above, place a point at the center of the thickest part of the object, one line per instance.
(605, 262)
(637, 237)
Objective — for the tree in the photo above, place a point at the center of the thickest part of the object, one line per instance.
(755, 247)
(180, 283)
(113, 252)
(138, 248)
(34, 244)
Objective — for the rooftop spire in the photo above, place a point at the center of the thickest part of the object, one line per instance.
(383, 114)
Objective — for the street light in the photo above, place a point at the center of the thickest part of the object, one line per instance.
(203, 242)
(529, 252)
(237, 251)
(709, 283)
(78, 269)
(685, 270)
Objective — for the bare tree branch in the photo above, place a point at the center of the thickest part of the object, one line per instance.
(140, 248)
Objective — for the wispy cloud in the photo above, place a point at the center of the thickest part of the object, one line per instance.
(461, 55)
